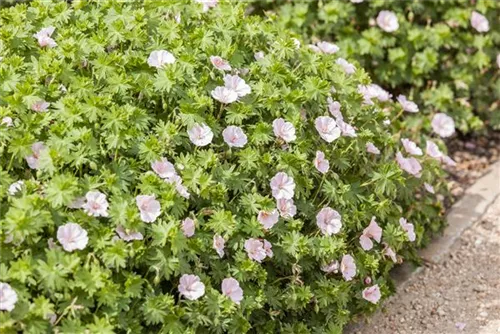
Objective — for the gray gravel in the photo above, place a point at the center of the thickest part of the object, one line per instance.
(460, 295)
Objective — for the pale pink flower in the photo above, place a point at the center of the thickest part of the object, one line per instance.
(407, 105)
(163, 168)
(200, 134)
(479, 22)
(259, 55)
(15, 187)
(332, 267)
(33, 160)
(373, 231)
(348, 267)
(191, 287)
(286, 208)
(8, 297)
(160, 58)
(231, 288)
(433, 151)
(224, 95)
(282, 186)
(128, 235)
(72, 236)
(237, 84)
(268, 248)
(188, 227)
(498, 60)
(327, 128)
(328, 48)
(284, 130)
(7, 121)
(443, 125)
(346, 129)
(40, 106)
(334, 109)
(387, 122)
(378, 92)
(370, 148)
(219, 244)
(388, 251)
(387, 21)
(348, 67)
(149, 207)
(255, 249)
(234, 136)
(408, 228)
(460, 325)
(372, 294)
(429, 188)
(449, 161)
(410, 165)
(329, 221)
(268, 218)
(44, 37)
(321, 164)
(96, 204)
(411, 147)
(220, 63)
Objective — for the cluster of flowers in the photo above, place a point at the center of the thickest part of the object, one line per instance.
(388, 21)
(235, 85)
(73, 237)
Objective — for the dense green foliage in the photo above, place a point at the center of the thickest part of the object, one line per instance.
(436, 57)
(110, 115)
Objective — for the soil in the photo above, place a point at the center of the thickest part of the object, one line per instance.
(473, 156)
(461, 295)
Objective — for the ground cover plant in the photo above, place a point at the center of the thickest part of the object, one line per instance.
(180, 167)
(444, 54)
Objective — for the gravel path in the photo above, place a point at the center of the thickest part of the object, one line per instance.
(461, 295)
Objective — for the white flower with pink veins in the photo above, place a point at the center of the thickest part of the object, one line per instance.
(237, 84)
(282, 186)
(160, 58)
(200, 134)
(44, 37)
(387, 21)
(95, 204)
(72, 236)
(443, 125)
(191, 287)
(284, 130)
(149, 207)
(479, 22)
(231, 289)
(268, 218)
(220, 64)
(8, 297)
(329, 221)
(234, 136)
(327, 128)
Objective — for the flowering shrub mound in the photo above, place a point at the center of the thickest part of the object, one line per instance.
(445, 55)
(179, 167)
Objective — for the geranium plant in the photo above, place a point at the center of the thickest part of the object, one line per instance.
(442, 54)
(180, 167)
